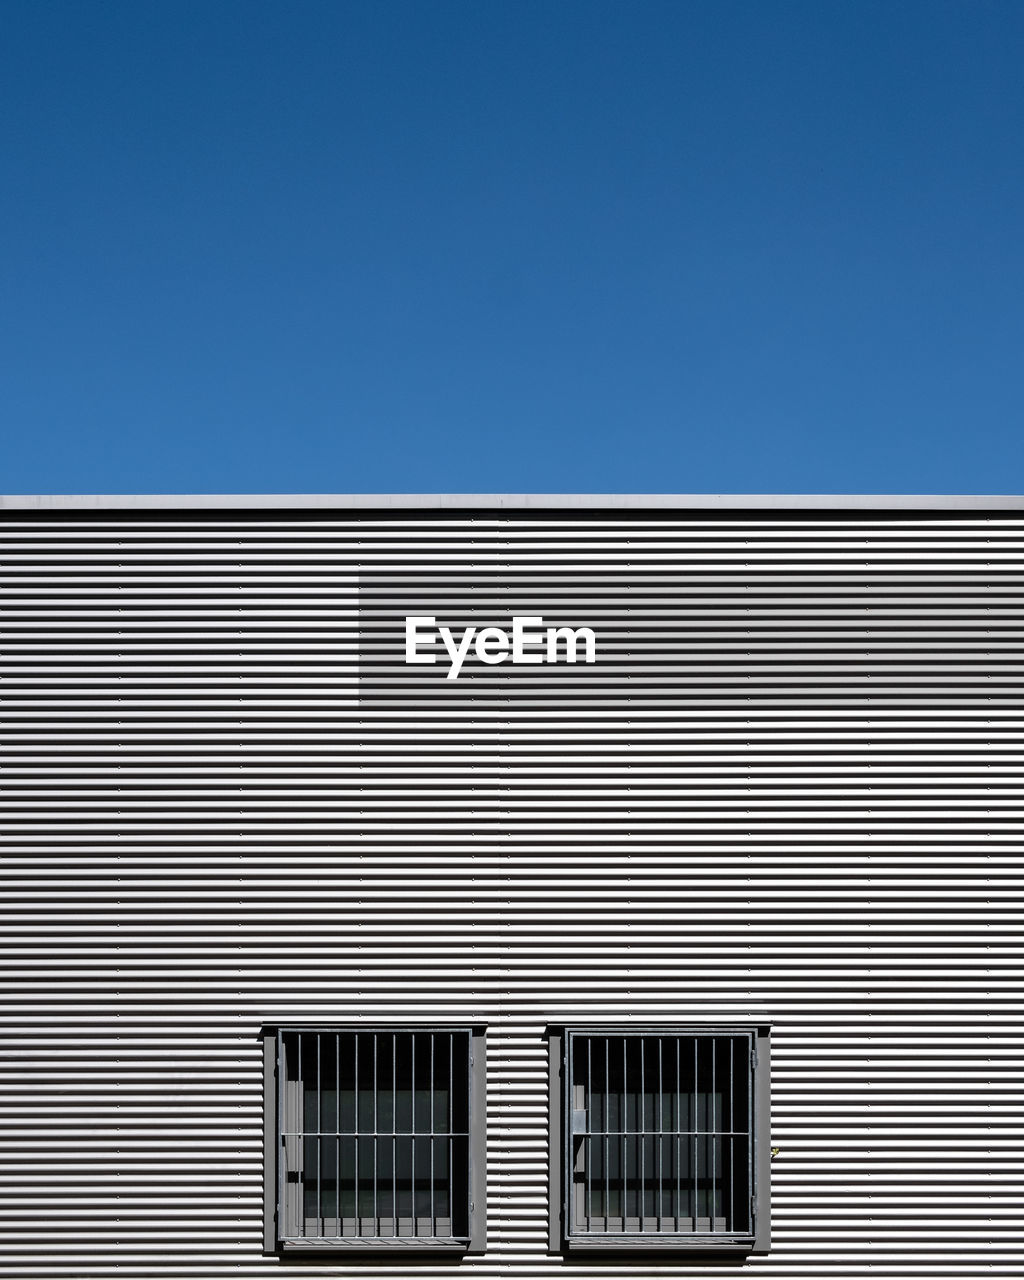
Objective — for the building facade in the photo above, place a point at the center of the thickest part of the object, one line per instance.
(512, 886)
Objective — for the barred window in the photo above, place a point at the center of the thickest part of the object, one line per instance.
(661, 1143)
(375, 1138)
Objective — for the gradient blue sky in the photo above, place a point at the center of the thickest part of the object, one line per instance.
(470, 245)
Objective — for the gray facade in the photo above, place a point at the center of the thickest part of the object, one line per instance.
(787, 793)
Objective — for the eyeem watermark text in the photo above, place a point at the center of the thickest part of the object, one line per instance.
(527, 643)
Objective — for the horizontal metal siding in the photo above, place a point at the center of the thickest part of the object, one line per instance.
(790, 786)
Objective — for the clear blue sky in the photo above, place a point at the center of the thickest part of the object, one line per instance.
(465, 245)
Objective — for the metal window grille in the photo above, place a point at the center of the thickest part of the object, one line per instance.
(374, 1135)
(660, 1135)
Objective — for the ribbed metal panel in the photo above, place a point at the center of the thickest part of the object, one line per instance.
(788, 790)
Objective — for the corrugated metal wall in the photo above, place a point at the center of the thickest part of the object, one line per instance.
(790, 787)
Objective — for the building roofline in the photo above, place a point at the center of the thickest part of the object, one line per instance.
(512, 501)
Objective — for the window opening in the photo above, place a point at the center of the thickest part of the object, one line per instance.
(661, 1135)
(374, 1135)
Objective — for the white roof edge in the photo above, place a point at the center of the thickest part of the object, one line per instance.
(511, 501)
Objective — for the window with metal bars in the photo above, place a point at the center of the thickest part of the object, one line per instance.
(375, 1138)
(661, 1138)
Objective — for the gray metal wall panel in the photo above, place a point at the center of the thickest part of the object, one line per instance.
(789, 788)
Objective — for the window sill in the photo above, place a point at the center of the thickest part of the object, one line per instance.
(374, 1244)
(737, 1246)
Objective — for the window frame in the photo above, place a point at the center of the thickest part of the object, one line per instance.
(562, 1240)
(275, 1244)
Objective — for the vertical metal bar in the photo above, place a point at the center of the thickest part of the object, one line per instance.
(355, 1127)
(660, 1140)
(730, 1223)
(412, 1140)
(300, 1141)
(714, 1138)
(319, 1139)
(624, 1140)
(679, 1126)
(642, 1139)
(586, 1142)
(394, 1133)
(695, 1127)
(607, 1128)
(338, 1130)
(430, 1148)
(625, 1180)
(376, 1216)
(451, 1131)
